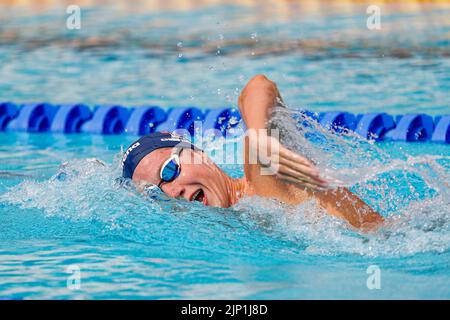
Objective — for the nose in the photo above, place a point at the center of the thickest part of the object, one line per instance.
(173, 190)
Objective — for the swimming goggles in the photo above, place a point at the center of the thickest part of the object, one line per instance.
(170, 169)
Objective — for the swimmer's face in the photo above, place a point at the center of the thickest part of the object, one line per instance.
(200, 179)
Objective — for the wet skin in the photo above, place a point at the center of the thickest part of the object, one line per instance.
(198, 172)
(295, 181)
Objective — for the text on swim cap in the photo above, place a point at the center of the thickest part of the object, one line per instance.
(131, 148)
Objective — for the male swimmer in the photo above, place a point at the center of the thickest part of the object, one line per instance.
(188, 173)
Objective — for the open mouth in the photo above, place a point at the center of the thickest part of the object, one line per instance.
(199, 196)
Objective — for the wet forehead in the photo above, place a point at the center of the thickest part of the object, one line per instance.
(148, 168)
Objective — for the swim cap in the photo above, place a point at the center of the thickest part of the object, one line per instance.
(148, 143)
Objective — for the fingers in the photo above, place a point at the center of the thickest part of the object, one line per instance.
(310, 171)
(299, 167)
(294, 157)
(289, 165)
(300, 182)
(303, 173)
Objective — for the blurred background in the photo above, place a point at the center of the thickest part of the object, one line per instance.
(59, 208)
(202, 52)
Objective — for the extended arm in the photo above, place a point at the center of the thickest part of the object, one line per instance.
(341, 202)
(256, 103)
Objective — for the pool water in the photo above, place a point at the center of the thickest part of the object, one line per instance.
(62, 210)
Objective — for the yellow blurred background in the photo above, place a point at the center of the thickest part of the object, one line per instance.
(287, 7)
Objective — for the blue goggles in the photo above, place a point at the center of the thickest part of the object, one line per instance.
(170, 169)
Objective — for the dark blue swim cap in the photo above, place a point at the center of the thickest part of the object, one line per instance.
(148, 143)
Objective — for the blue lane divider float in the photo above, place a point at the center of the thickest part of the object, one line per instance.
(107, 119)
(34, 117)
(181, 118)
(374, 125)
(116, 119)
(8, 111)
(442, 130)
(70, 117)
(412, 127)
(337, 121)
(144, 120)
(224, 120)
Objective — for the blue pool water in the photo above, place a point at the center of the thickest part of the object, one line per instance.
(60, 208)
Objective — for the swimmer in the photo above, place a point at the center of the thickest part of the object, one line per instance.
(188, 173)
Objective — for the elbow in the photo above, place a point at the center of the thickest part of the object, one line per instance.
(260, 81)
(255, 86)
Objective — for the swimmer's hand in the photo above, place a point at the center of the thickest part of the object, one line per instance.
(295, 168)
(287, 165)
